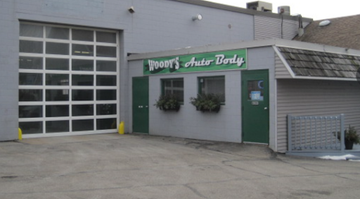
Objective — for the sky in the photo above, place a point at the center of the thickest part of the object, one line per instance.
(315, 9)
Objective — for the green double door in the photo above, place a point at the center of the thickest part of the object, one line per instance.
(255, 106)
(140, 107)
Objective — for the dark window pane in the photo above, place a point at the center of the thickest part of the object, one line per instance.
(174, 87)
(30, 79)
(57, 64)
(82, 50)
(31, 46)
(179, 94)
(107, 37)
(57, 33)
(57, 95)
(57, 48)
(178, 83)
(82, 95)
(57, 126)
(57, 79)
(82, 110)
(82, 80)
(105, 109)
(30, 95)
(256, 90)
(106, 94)
(28, 30)
(105, 66)
(57, 110)
(213, 85)
(106, 123)
(30, 62)
(82, 35)
(82, 65)
(31, 127)
(106, 80)
(105, 51)
(83, 125)
(30, 111)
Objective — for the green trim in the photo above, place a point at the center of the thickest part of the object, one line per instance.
(162, 86)
(213, 61)
(199, 85)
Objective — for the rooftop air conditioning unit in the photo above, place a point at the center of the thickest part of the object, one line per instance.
(285, 10)
(259, 6)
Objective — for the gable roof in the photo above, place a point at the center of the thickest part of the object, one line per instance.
(315, 64)
(341, 32)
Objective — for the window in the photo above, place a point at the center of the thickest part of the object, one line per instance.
(256, 90)
(213, 85)
(173, 87)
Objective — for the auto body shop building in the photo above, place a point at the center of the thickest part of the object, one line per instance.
(261, 83)
(70, 68)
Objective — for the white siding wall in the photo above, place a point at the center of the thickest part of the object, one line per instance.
(268, 27)
(310, 97)
(280, 69)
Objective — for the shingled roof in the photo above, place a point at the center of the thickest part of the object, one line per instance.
(308, 63)
(342, 32)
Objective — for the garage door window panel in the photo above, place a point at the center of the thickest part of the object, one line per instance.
(33, 63)
(57, 64)
(68, 79)
(82, 65)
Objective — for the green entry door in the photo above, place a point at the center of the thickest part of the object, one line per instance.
(140, 108)
(255, 106)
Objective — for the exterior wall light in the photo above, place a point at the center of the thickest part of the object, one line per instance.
(131, 10)
(197, 17)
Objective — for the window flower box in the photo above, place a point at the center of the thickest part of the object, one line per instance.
(168, 102)
(207, 102)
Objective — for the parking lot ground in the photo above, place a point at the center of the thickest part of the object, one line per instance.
(131, 166)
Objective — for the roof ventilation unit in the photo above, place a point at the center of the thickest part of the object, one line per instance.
(324, 23)
(285, 10)
(259, 6)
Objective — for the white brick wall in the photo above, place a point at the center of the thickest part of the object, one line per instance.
(156, 25)
(189, 123)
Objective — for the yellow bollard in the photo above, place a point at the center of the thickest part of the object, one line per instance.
(121, 128)
(20, 134)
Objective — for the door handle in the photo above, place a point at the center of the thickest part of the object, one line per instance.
(265, 108)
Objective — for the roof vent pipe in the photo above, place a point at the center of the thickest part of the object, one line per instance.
(301, 28)
(259, 6)
(285, 10)
(324, 23)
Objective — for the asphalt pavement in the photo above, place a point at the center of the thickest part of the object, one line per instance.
(133, 166)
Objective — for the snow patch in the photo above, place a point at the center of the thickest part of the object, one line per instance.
(340, 157)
